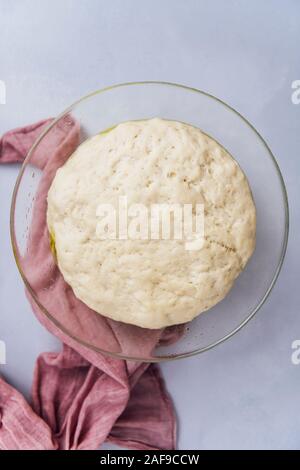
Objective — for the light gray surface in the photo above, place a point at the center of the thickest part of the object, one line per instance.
(244, 393)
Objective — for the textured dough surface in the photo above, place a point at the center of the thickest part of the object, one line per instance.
(151, 283)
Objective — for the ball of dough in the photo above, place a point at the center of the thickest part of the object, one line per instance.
(146, 282)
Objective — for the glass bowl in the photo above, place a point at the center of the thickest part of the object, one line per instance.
(104, 109)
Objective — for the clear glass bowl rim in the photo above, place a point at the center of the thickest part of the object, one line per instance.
(31, 290)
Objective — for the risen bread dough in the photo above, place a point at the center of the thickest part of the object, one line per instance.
(151, 283)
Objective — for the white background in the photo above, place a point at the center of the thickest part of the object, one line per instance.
(246, 392)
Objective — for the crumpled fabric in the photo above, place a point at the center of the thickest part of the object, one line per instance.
(80, 397)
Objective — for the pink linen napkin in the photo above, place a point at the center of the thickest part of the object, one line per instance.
(80, 398)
